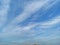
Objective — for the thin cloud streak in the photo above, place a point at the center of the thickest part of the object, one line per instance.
(4, 11)
(28, 11)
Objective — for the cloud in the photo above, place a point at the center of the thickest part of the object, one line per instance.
(18, 30)
(26, 13)
(51, 22)
(31, 30)
(4, 11)
(29, 9)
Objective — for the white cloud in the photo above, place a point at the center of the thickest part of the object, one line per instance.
(13, 29)
(50, 23)
(18, 30)
(29, 9)
(50, 4)
(3, 11)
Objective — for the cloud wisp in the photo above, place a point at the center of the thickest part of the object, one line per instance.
(4, 8)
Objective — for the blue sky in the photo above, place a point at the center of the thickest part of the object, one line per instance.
(32, 21)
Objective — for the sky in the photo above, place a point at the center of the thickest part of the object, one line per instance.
(30, 21)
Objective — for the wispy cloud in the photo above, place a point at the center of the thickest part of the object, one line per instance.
(18, 30)
(4, 11)
(51, 22)
(29, 9)
(26, 13)
(32, 29)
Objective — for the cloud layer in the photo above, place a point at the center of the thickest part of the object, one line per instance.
(39, 20)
